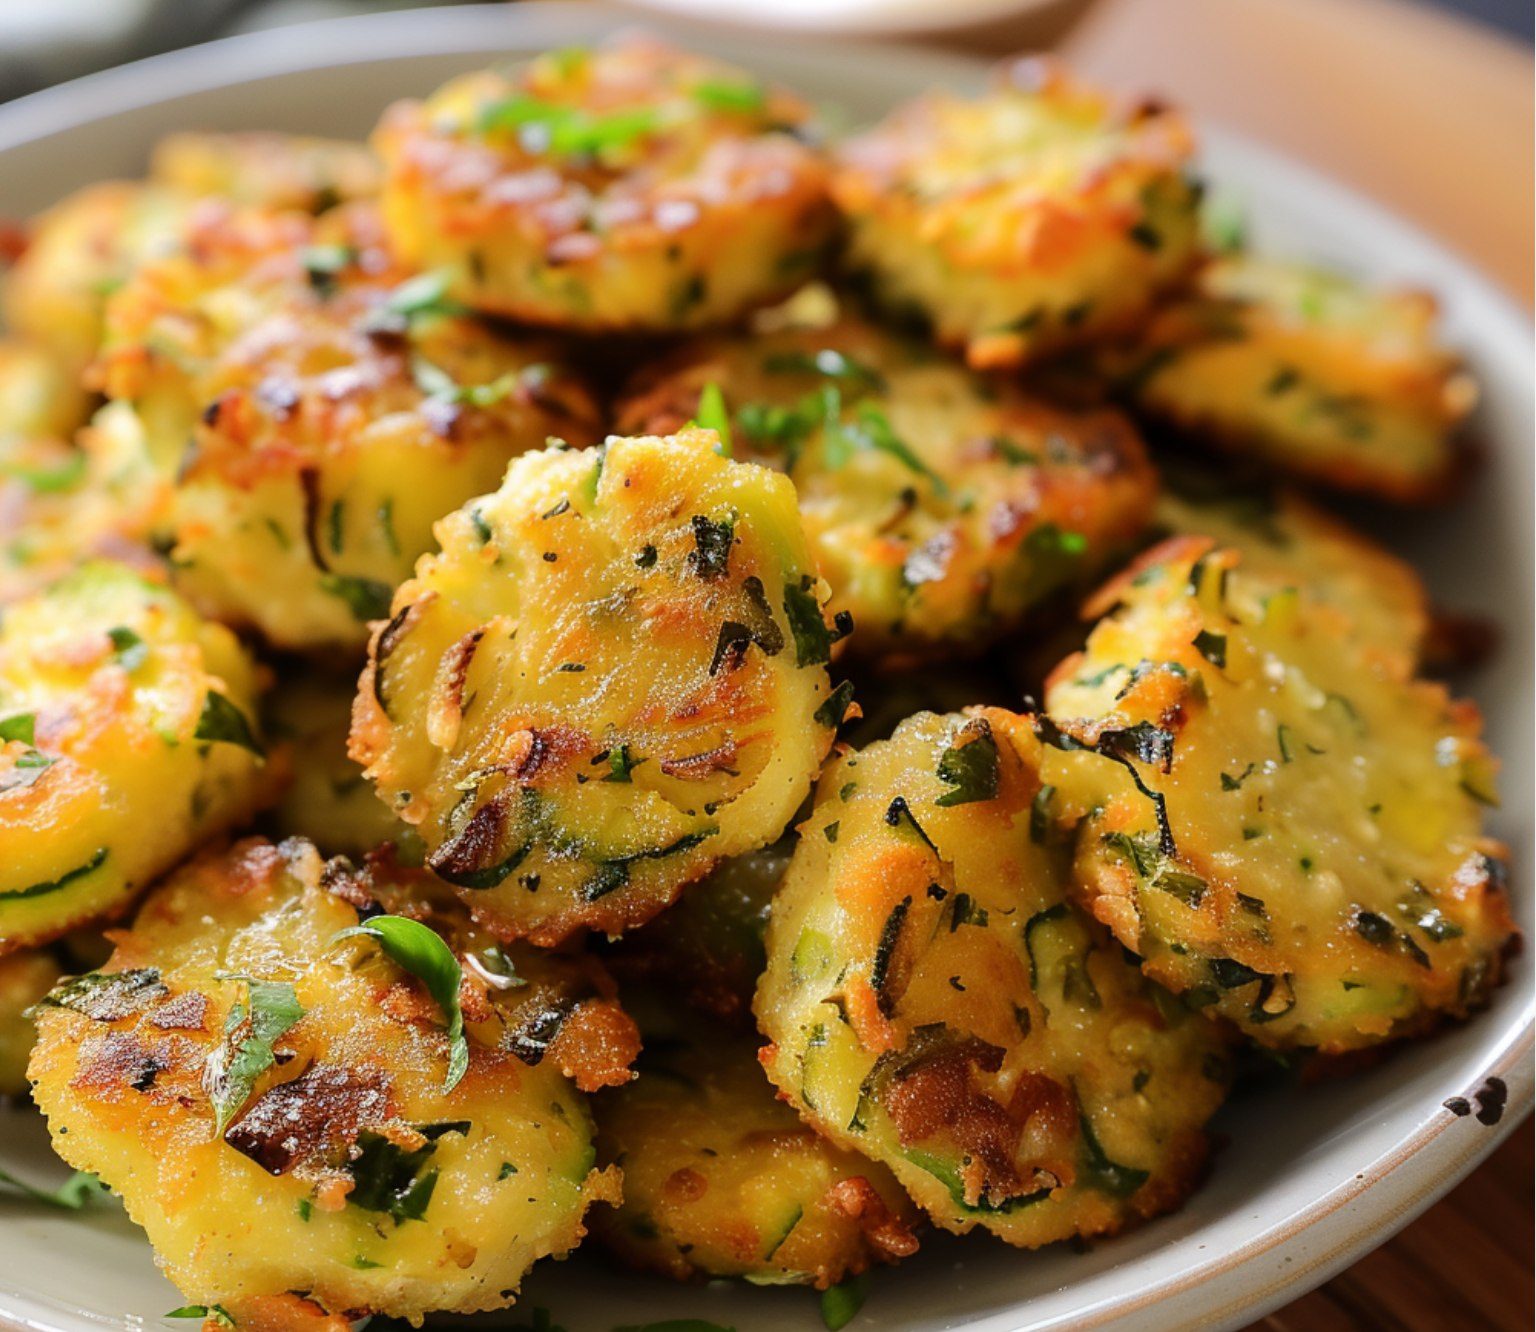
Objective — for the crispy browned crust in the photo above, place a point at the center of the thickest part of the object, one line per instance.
(1006, 507)
(998, 249)
(722, 1180)
(132, 1066)
(1180, 723)
(902, 964)
(1437, 489)
(713, 203)
(649, 645)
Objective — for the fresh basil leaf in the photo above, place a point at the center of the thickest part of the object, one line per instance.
(222, 722)
(131, 650)
(421, 950)
(730, 94)
(813, 642)
(835, 707)
(72, 1195)
(48, 480)
(387, 1178)
(23, 727)
(217, 1312)
(712, 415)
(245, 1053)
(840, 1304)
(971, 769)
(367, 598)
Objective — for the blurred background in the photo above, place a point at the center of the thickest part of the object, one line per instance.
(1424, 104)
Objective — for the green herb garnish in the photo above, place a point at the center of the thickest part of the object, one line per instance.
(221, 722)
(422, 951)
(841, 1303)
(250, 1031)
(72, 1195)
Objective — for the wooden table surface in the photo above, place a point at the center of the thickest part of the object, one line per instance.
(1464, 1266)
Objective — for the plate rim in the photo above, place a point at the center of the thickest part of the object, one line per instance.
(465, 29)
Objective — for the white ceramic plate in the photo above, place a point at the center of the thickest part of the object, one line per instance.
(1309, 1179)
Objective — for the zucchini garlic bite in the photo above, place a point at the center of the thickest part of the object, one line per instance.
(286, 1107)
(936, 1002)
(315, 409)
(127, 737)
(613, 676)
(77, 254)
(40, 395)
(1289, 543)
(265, 170)
(1286, 830)
(1310, 372)
(721, 1178)
(63, 504)
(1040, 215)
(83, 248)
(942, 507)
(630, 187)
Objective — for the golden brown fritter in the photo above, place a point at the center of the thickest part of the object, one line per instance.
(77, 254)
(317, 410)
(936, 1002)
(81, 250)
(40, 396)
(721, 1179)
(612, 677)
(1310, 372)
(1040, 215)
(128, 736)
(63, 504)
(942, 507)
(623, 188)
(266, 170)
(270, 1102)
(1291, 543)
(1281, 823)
